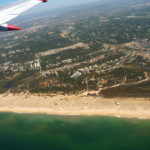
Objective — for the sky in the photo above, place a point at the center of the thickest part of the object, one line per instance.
(52, 4)
(6, 1)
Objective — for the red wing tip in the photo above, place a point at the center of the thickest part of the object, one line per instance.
(43, 0)
(10, 27)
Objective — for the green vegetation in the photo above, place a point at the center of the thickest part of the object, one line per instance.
(117, 52)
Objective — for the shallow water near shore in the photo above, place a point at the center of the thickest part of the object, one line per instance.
(47, 132)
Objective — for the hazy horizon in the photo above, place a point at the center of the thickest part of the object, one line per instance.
(52, 4)
(59, 4)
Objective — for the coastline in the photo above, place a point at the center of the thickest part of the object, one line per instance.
(75, 105)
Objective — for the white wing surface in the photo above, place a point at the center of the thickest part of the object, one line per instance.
(13, 11)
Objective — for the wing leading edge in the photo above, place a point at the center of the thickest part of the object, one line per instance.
(14, 11)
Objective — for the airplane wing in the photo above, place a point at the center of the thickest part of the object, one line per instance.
(13, 11)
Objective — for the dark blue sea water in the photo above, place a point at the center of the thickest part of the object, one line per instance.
(46, 132)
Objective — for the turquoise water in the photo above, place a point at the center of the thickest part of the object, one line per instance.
(46, 132)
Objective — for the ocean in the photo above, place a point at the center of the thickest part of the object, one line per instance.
(48, 132)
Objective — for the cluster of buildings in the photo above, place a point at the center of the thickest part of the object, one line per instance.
(18, 67)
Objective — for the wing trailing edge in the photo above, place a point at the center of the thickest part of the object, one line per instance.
(14, 11)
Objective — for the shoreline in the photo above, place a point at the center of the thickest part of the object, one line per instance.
(76, 105)
(75, 113)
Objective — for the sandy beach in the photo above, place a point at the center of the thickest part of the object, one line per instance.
(76, 105)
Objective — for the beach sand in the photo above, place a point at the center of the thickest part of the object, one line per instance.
(76, 105)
